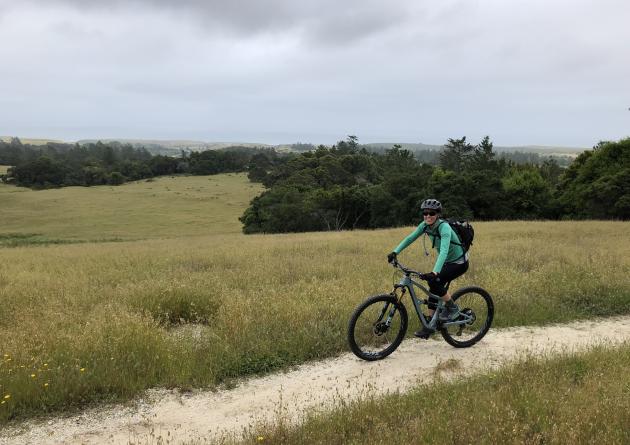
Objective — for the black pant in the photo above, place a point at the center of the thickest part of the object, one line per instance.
(439, 285)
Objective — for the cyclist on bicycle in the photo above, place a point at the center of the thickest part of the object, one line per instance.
(451, 262)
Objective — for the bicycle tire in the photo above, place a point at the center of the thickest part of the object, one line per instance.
(484, 325)
(356, 346)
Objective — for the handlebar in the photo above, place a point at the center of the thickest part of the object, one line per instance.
(406, 270)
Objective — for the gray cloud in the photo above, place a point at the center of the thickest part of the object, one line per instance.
(325, 21)
(522, 71)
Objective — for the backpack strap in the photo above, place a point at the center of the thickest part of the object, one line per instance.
(439, 236)
(437, 231)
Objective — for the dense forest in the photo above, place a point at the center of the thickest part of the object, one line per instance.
(96, 163)
(60, 165)
(432, 155)
(347, 187)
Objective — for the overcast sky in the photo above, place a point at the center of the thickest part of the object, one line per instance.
(282, 71)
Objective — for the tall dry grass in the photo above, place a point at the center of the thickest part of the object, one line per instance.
(83, 323)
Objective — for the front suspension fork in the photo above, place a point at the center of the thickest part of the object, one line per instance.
(392, 311)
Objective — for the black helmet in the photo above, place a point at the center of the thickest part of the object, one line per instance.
(431, 204)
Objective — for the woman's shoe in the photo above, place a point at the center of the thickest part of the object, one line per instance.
(449, 312)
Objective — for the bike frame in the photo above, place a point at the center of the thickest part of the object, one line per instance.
(406, 283)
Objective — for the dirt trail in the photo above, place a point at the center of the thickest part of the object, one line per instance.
(204, 414)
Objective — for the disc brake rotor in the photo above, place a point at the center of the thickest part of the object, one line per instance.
(380, 328)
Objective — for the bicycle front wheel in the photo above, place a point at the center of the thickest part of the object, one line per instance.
(377, 327)
(476, 306)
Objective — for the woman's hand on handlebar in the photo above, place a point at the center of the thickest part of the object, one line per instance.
(429, 276)
(391, 257)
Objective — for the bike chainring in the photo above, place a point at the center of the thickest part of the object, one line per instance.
(469, 313)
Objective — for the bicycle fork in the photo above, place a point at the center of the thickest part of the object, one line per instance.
(392, 311)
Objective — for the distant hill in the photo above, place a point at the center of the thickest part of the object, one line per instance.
(174, 147)
(405, 146)
(540, 149)
(570, 152)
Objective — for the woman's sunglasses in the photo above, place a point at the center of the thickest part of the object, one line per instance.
(429, 213)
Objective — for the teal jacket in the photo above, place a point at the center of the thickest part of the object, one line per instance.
(447, 252)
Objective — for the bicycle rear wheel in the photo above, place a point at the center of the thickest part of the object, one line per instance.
(476, 304)
(377, 327)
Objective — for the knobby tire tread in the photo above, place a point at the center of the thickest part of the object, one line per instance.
(466, 344)
(399, 337)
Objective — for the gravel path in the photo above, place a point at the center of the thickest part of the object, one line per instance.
(160, 414)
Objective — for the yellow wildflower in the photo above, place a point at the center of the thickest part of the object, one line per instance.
(45, 385)
(2, 403)
(33, 375)
(260, 438)
(82, 369)
(7, 397)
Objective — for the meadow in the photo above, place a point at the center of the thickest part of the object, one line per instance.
(30, 141)
(164, 207)
(200, 304)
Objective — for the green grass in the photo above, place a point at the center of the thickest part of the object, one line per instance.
(200, 310)
(578, 399)
(166, 207)
(37, 239)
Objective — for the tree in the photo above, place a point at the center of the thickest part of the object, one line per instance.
(43, 172)
(448, 186)
(109, 156)
(527, 194)
(483, 156)
(342, 208)
(281, 209)
(349, 146)
(258, 167)
(456, 154)
(597, 184)
(551, 171)
(115, 178)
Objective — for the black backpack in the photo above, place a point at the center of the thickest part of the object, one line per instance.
(464, 230)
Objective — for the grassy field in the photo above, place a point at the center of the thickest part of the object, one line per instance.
(166, 207)
(30, 141)
(577, 399)
(196, 303)
(82, 323)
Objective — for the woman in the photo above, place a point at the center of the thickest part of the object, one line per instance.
(452, 260)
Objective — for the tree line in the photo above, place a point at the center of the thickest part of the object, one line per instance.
(61, 165)
(346, 186)
(432, 156)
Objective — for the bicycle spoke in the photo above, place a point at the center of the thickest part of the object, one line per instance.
(377, 327)
(476, 310)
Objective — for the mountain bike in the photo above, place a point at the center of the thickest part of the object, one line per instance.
(379, 324)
